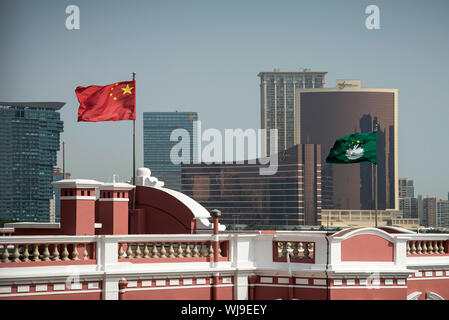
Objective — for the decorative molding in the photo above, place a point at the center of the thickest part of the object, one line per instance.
(433, 296)
(78, 198)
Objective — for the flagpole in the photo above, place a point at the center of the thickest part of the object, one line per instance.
(134, 152)
(375, 177)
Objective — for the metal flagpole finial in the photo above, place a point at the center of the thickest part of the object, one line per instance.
(134, 76)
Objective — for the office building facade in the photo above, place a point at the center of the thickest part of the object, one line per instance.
(430, 212)
(406, 188)
(367, 219)
(277, 102)
(324, 115)
(443, 213)
(28, 150)
(291, 197)
(157, 129)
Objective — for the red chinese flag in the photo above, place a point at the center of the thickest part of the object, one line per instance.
(113, 102)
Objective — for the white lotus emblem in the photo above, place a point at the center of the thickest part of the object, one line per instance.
(354, 153)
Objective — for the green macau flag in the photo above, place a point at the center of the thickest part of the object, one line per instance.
(353, 148)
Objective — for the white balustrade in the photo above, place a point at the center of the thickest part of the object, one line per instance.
(426, 247)
(172, 249)
(23, 249)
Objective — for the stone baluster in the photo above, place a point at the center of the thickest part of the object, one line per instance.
(408, 247)
(75, 252)
(65, 253)
(171, 250)
(163, 251)
(16, 254)
(413, 247)
(284, 250)
(5, 255)
(188, 251)
(154, 253)
(306, 251)
(295, 250)
(430, 247)
(435, 247)
(129, 251)
(196, 252)
(279, 249)
(440, 247)
(85, 253)
(138, 251)
(204, 251)
(55, 253)
(180, 252)
(311, 249)
(36, 253)
(46, 254)
(301, 249)
(424, 247)
(121, 252)
(146, 252)
(211, 250)
(26, 254)
(418, 248)
(219, 249)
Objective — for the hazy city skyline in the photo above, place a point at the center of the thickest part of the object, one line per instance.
(204, 56)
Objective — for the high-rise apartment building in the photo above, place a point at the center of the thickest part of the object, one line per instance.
(29, 142)
(290, 197)
(157, 129)
(422, 217)
(326, 114)
(430, 212)
(443, 213)
(406, 188)
(408, 204)
(277, 102)
(409, 207)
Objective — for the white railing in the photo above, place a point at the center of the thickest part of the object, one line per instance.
(32, 249)
(427, 247)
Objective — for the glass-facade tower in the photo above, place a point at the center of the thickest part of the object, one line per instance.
(157, 129)
(277, 102)
(29, 143)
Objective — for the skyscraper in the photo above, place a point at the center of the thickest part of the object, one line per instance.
(443, 213)
(324, 115)
(430, 212)
(29, 142)
(421, 214)
(408, 204)
(277, 102)
(406, 188)
(157, 129)
(291, 197)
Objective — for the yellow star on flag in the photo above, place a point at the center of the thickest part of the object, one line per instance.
(127, 89)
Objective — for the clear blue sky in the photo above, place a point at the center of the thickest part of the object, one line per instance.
(204, 56)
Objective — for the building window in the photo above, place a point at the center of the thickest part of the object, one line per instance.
(82, 192)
